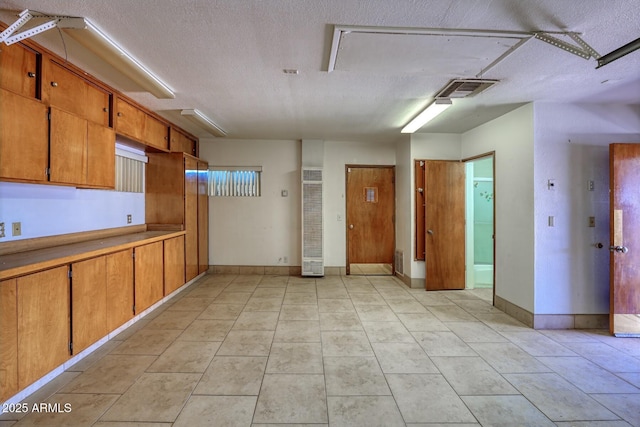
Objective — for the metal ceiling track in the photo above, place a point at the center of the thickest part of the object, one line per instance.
(582, 49)
(9, 35)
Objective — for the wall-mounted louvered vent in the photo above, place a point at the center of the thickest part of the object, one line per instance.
(129, 175)
(463, 88)
(312, 223)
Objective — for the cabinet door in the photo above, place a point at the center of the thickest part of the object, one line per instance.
(182, 143)
(129, 120)
(173, 264)
(156, 133)
(43, 323)
(97, 104)
(203, 218)
(19, 70)
(24, 138)
(149, 275)
(67, 148)
(66, 89)
(88, 302)
(119, 288)
(101, 156)
(191, 217)
(8, 339)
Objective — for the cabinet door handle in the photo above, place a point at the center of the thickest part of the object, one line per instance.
(105, 109)
(31, 74)
(119, 114)
(54, 84)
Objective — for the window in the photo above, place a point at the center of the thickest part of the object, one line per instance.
(129, 169)
(226, 181)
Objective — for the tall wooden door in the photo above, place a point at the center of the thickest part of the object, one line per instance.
(370, 215)
(624, 169)
(191, 216)
(444, 225)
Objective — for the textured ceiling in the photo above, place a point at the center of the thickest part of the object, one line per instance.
(226, 58)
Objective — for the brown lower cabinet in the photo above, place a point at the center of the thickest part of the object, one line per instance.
(46, 317)
(119, 288)
(8, 339)
(88, 302)
(173, 264)
(43, 323)
(149, 275)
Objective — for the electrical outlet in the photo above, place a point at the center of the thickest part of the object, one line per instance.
(592, 221)
(1, 229)
(16, 229)
(129, 218)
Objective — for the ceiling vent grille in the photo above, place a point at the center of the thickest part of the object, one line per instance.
(464, 88)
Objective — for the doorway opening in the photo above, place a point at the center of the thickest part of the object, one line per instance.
(480, 216)
(370, 206)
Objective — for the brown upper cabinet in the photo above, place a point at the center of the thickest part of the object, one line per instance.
(179, 142)
(156, 133)
(71, 92)
(23, 138)
(19, 70)
(134, 123)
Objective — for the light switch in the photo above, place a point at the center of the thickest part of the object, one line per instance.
(592, 221)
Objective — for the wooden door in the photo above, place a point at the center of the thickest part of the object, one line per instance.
(156, 133)
(203, 218)
(101, 156)
(8, 339)
(444, 225)
(66, 89)
(370, 215)
(129, 120)
(119, 288)
(191, 216)
(149, 275)
(624, 169)
(67, 148)
(24, 138)
(88, 302)
(97, 105)
(19, 69)
(43, 323)
(173, 264)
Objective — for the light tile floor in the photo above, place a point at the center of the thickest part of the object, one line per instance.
(342, 351)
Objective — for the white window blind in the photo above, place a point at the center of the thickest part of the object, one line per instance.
(235, 181)
(129, 170)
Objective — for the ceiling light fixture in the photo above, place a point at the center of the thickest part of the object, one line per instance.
(99, 43)
(429, 113)
(88, 35)
(204, 122)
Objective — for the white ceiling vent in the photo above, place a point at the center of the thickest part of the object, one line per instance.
(464, 88)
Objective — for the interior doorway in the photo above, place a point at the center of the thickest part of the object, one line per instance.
(480, 217)
(370, 207)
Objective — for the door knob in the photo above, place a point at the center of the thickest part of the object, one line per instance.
(350, 226)
(430, 232)
(619, 249)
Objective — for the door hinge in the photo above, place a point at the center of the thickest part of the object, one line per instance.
(133, 254)
(70, 347)
(348, 170)
(47, 171)
(70, 273)
(134, 309)
(421, 163)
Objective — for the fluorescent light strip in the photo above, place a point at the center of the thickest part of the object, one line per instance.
(99, 43)
(204, 122)
(429, 113)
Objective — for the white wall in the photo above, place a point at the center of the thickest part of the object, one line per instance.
(511, 136)
(261, 230)
(571, 147)
(48, 210)
(337, 154)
